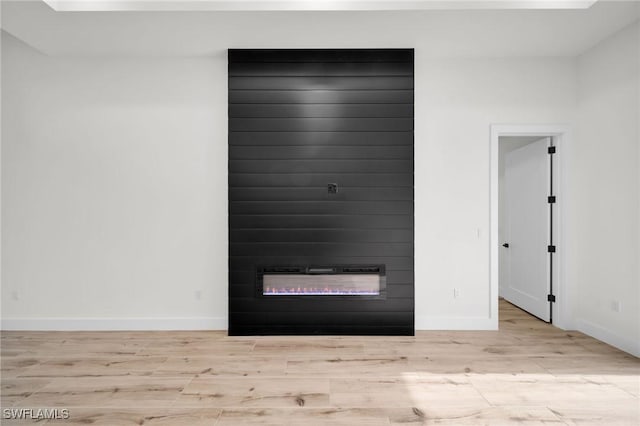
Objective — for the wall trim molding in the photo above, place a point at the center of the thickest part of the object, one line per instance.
(114, 324)
(294, 5)
(423, 322)
(607, 336)
(204, 323)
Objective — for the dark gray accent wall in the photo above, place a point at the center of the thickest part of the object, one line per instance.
(299, 120)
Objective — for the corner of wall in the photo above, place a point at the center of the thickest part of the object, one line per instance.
(608, 76)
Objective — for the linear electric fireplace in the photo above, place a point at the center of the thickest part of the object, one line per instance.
(351, 281)
(321, 224)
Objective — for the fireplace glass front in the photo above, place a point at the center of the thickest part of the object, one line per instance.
(321, 281)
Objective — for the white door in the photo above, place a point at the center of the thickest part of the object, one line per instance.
(527, 185)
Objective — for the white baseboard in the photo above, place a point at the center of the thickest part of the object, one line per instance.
(604, 334)
(205, 323)
(105, 324)
(455, 323)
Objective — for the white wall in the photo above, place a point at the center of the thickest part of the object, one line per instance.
(114, 182)
(114, 189)
(605, 255)
(456, 102)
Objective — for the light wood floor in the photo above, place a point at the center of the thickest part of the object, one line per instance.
(526, 373)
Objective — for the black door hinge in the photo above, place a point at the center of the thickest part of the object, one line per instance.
(551, 150)
(551, 249)
(551, 298)
(551, 199)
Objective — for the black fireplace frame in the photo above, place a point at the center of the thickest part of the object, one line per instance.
(321, 172)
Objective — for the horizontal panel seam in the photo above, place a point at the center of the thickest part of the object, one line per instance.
(371, 89)
(313, 131)
(283, 117)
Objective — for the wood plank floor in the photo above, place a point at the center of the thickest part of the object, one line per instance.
(526, 373)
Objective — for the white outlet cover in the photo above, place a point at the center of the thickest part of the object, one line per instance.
(615, 306)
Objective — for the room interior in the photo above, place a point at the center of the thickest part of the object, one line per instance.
(284, 212)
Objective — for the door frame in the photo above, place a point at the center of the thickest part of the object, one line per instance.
(561, 138)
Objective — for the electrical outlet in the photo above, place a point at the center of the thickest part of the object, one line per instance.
(15, 296)
(198, 294)
(615, 305)
(456, 293)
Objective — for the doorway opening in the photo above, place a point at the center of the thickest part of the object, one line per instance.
(527, 232)
(524, 223)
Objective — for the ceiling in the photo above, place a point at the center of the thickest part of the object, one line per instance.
(497, 31)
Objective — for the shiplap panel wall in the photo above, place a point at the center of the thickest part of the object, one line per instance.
(298, 120)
